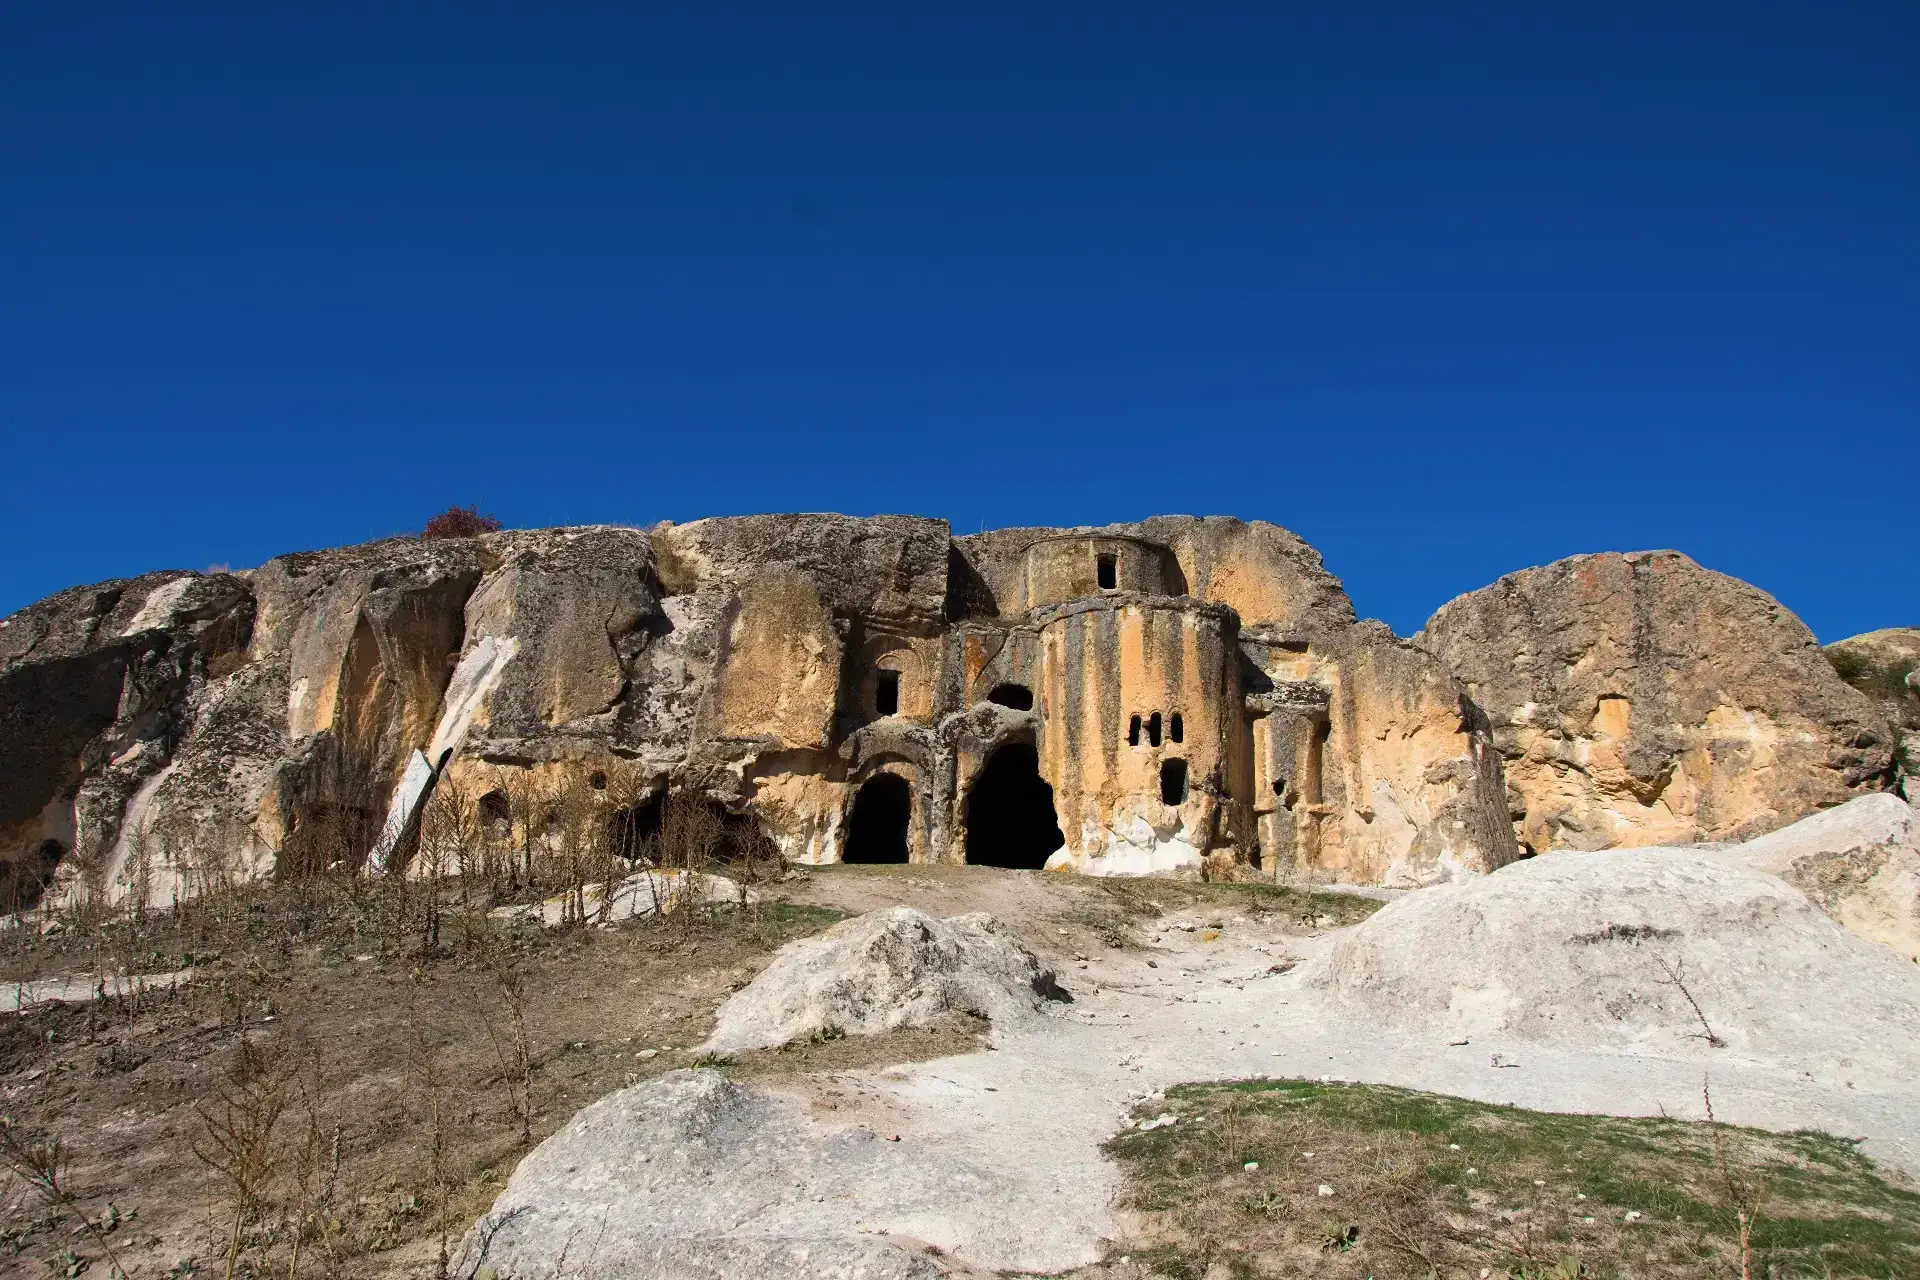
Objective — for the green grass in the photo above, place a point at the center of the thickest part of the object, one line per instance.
(1121, 905)
(1525, 1193)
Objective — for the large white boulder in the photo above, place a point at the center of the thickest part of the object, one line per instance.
(694, 1177)
(885, 969)
(1859, 862)
(1640, 950)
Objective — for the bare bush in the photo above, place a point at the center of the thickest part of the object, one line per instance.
(460, 522)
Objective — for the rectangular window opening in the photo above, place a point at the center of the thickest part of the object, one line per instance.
(1153, 729)
(886, 693)
(1106, 571)
(1175, 729)
(1133, 732)
(1173, 782)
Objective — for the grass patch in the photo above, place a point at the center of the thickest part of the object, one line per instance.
(1423, 1185)
(1121, 905)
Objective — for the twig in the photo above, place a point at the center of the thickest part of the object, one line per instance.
(1746, 1201)
(1673, 980)
(38, 1165)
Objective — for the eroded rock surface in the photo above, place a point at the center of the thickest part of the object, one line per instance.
(1885, 665)
(1640, 699)
(1647, 950)
(1859, 862)
(1182, 696)
(694, 1177)
(882, 970)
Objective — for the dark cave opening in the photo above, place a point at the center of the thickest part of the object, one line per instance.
(877, 827)
(1016, 697)
(1010, 816)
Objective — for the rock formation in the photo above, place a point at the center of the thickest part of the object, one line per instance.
(1641, 699)
(882, 970)
(1182, 695)
(1179, 695)
(1638, 950)
(1858, 862)
(1885, 665)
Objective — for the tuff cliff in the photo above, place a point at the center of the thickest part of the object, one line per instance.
(1641, 699)
(1183, 695)
(1171, 696)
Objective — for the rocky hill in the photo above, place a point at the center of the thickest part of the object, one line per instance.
(1180, 696)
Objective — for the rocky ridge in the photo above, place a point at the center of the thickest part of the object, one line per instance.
(1182, 696)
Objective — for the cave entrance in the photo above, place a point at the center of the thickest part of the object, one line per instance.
(877, 828)
(1010, 817)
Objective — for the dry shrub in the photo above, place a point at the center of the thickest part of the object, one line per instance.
(460, 522)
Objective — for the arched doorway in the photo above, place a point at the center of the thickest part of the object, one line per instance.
(1010, 817)
(877, 827)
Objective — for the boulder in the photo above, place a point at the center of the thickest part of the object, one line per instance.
(881, 970)
(694, 1177)
(1640, 699)
(1859, 862)
(1885, 665)
(1639, 950)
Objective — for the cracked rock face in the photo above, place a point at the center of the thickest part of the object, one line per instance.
(882, 970)
(1181, 696)
(1885, 665)
(1640, 699)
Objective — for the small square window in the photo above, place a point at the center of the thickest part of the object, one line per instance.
(1106, 572)
(886, 693)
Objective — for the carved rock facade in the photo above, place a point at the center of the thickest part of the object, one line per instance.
(1175, 696)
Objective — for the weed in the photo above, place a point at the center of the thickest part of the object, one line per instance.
(1420, 1184)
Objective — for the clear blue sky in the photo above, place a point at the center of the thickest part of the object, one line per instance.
(1450, 290)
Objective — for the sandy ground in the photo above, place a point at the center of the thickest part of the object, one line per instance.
(1027, 1117)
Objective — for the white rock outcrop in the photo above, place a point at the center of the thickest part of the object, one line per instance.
(1859, 862)
(694, 1177)
(885, 969)
(1638, 950)
(638, 897)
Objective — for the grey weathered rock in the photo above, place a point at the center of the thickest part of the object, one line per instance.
(694, 1177)
(98, 686)
(1617, 948)
(1641, 699)
(882, 970)
(1885, 665)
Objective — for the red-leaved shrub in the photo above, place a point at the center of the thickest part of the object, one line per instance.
(460, 522)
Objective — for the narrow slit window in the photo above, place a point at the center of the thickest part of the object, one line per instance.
(1153, 729)
(1175, 729)
(1173, 782)
(886, 693)
(1133, 732)
(1106, 572)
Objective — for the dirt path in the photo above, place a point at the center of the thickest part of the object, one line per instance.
(1202, 1000)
